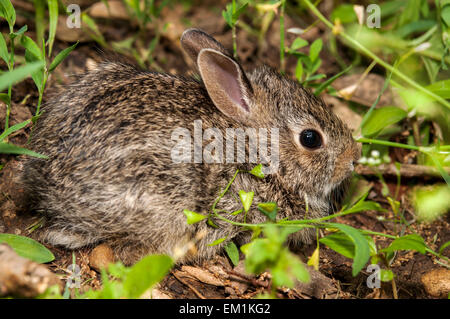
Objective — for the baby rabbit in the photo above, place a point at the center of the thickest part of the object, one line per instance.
(111, 175)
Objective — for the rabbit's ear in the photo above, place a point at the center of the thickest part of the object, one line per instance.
(194, 40)
(226, 83)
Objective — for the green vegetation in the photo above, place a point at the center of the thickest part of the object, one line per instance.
(410, 49)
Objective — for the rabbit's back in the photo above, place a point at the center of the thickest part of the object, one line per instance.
(110, 171)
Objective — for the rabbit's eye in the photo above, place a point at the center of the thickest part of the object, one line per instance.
(310, 139)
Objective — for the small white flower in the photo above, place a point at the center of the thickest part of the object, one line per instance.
(371, 161)
(422, 47)
(375, 154)
(297, 31)
(363, 160)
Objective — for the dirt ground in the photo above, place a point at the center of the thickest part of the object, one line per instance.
(217, 278)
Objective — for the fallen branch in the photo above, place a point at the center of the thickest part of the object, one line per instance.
(196, 292)
(21, 277)
(406, 170)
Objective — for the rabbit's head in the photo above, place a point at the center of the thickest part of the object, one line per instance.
(316, 149)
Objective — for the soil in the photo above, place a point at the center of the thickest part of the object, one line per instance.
(334, 278)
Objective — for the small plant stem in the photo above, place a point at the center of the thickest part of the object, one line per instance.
(388, 143)
(233, 31)
(369, 53)
(10, 68)
(305, 223)
(41, 93)
(213, 208)
(282, 59)
(394, 288)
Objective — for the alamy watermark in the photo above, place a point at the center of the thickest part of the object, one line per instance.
(74, 19)
(372, 14)
(211, 146)
(374, 279)
(74, 279)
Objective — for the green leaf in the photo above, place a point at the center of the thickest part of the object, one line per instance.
(445, 15)
(315, 49)
(441, 250)
(7, 11)
(19, 74)
(232, 252)
(32, 48)
(269, 209)
(96, 35)
(4, 53)
(414, 27)
(5, 98)
(21, 31)
(260, 253)
(147, 272)
(39, 18)
(344, 13)
(381, 118)
(53, 23)
(34, 53)
(246, 199)
(228, 15)
(432, 67)
(27, 248)
(61, 56)
(217, 241)
(237, 212)
(299, 70)
(6, 148)
(386, 275)
(257, 171)
(408, 242)
(362, 248)
(315, 76)
(298, 43)
(340, 243)
(441, 88)
(14, 128)
(364, 206)
(239, 11)
(37, 76)
(298, 268)
(245, 248)
(211, 223)
(193, 217)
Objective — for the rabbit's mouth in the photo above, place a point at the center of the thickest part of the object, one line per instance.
(338, 192)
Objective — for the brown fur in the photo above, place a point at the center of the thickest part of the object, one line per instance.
(110, 177)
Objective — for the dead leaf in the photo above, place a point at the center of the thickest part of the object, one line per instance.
(367, 91)
(202, 275)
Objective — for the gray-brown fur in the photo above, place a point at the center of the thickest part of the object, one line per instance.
(110, 176)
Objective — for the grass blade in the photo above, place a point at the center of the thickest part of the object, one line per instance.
(6, 148)
(39, 6)
(61, 56)
(4, 54)
(13, 128)
(17, 75)
(328, 82)
(7, 11)
(27, 248)
(53, 22)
